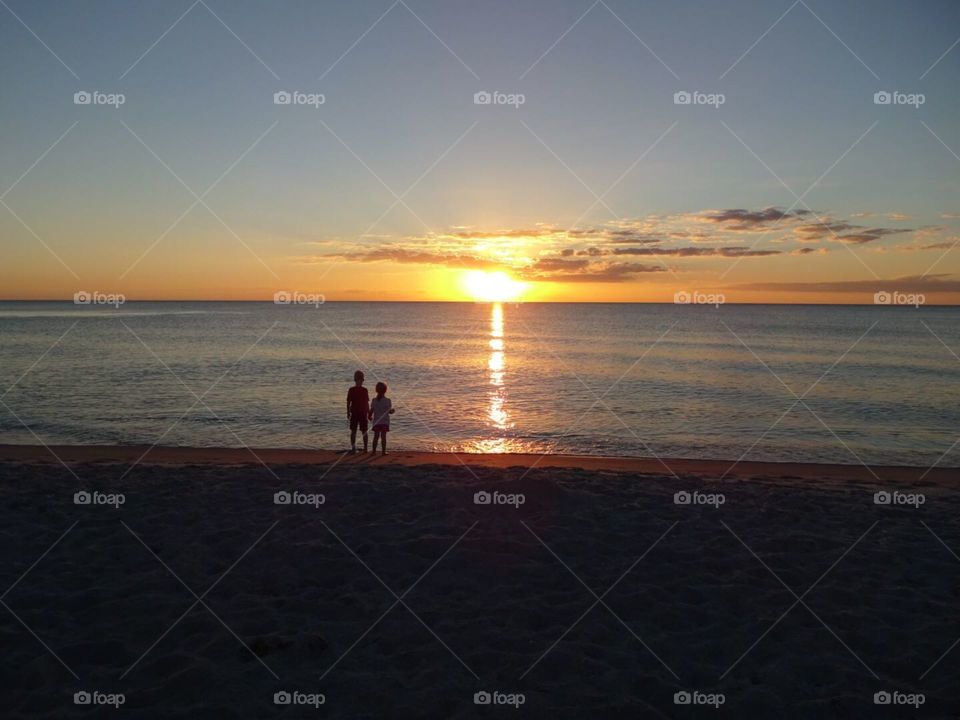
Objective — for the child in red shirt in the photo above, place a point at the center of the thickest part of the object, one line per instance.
(358, 409)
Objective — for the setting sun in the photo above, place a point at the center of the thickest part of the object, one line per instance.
(486, 286)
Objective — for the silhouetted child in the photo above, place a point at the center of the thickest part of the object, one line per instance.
(358, 411)
(380, 411)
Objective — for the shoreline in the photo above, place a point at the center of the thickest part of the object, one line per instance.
(166, 455)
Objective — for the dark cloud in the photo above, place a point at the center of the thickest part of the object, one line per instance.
(615, 236)
(740, 219)
(948, 244)
(807, 226)
(869, 236)
(912, 283)
(736, 251)
(559, 270)
(845, 232)
(696, 252)
(631, 236)
(557, 265)
(820, 230)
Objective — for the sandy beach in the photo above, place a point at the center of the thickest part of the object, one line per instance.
(203, 582)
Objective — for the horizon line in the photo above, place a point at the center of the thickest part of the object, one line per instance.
(477, 302)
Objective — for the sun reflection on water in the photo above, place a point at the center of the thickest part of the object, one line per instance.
(497, 366)
(497, 415)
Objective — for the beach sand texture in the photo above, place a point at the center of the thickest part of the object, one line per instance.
(399, 596)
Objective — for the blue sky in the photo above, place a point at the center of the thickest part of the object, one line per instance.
(598, 82)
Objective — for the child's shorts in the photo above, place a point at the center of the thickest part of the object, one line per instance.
(360, 420)
(381, 428)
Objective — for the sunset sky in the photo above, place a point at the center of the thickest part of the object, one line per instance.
(798, 188)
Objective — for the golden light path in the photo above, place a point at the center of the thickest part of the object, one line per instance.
(495, 287)
(498, 415)
(496, 365)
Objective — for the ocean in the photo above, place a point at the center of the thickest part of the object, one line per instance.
(845, 384)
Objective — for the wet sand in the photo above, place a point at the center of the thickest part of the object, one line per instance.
(636, 465)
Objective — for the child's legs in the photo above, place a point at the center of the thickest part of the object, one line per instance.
(376, 436)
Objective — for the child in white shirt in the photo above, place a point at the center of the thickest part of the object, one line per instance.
(380, 411)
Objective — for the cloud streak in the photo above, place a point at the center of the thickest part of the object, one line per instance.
(542, 252)
(565, 270)
(406, 256)
(911, 283)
